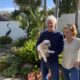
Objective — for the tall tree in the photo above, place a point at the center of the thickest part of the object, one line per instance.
(67, 6)
(30, 18)
(25, 4)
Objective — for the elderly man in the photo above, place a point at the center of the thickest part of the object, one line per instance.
(56, 40)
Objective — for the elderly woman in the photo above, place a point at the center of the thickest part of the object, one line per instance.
(56, 40)
(71, 58)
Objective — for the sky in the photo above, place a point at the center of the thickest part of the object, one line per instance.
(10, 5)
(7, 5)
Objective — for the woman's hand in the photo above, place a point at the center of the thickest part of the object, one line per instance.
(76, 64)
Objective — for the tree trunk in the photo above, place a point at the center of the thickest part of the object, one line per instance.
(56, 9)
(76, 14)
(44, 14)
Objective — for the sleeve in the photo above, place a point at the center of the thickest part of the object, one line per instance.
(60, 45)
(79, 56)
(79, 51)
(79, 43)
(40, 39)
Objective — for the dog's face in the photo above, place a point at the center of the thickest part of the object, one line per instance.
(46, 44)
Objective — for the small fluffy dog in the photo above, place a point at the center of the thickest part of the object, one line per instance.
(43, 50)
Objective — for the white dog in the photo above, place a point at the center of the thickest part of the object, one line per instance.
(43, 50)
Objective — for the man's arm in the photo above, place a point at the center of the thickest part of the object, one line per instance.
(40, 39)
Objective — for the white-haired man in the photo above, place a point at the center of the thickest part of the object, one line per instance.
(56, 40)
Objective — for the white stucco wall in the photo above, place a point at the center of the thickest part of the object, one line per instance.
(67, 19)
(16, 32)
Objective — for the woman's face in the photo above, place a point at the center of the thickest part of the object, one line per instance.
(51, 25)
(68, 33)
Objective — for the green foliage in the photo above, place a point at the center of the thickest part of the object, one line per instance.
(19, 42)
(2, 46)
(24, 71)
(10, 71)
(14, 67)
(28, 51)
(3, 65)
(60, 59)
(67, 6)
(22, 18)
(14, 60)
(5, 40)
(25, 4)
(12, 63)
(31, 23)
(50, 11)
(15, 13)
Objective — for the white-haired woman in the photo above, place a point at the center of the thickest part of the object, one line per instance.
(71, 53)
(56, 40)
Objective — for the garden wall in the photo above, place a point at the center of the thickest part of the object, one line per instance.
(16, 32)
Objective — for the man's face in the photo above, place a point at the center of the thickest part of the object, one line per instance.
(51, 26)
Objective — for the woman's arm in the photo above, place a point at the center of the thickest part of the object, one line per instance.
(77, 63)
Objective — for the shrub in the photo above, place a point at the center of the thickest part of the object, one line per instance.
(5, 40)
(24, 71)
(3, 65)
(15, 66)
(28, 51)
(20, 42)
(13, 61)
(2, 46)
(10, 71)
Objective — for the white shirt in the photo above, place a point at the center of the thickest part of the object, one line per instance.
(71, 53)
